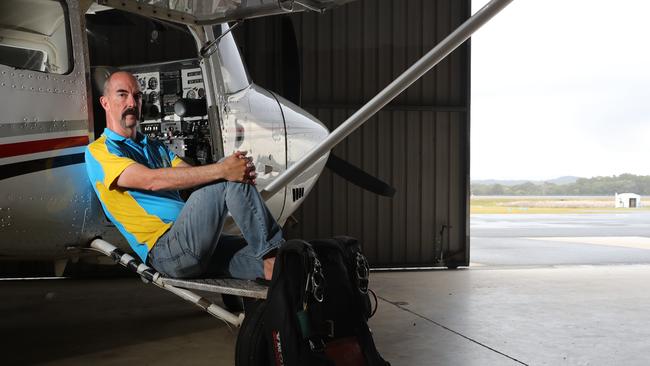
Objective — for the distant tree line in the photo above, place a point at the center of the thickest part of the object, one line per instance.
(597, 186)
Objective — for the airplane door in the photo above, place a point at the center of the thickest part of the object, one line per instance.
(44, 128)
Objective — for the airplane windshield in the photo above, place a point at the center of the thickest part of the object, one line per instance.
(233, 70)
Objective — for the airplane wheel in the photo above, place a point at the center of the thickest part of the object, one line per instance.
(251, 348)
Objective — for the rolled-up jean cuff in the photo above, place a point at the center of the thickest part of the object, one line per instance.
(272, 247)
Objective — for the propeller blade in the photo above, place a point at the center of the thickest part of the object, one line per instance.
(358, 177)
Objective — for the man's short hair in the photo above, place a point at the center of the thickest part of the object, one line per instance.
(110, 77)
(107, 82)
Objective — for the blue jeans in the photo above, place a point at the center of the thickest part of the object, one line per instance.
(194, 246)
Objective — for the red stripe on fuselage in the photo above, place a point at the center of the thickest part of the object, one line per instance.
(30, 147)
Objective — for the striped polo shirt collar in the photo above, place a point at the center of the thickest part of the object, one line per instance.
(114, 136)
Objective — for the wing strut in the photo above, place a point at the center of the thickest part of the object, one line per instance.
(426, 63)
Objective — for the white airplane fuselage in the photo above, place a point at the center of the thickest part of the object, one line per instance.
(48, 209)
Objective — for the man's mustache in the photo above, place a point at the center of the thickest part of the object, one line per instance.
(131, 111)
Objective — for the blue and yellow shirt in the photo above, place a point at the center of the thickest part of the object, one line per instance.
(141, 216)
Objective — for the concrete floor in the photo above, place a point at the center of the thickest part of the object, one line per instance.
(584, 315)
(573, 315)
(542, 290)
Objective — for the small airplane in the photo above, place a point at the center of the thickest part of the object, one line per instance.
(203, 109)
(48, 91)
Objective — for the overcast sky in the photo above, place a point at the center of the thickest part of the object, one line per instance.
(561, 87)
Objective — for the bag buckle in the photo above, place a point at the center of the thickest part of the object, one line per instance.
(316, 344)
(362, 272)
(317, 281)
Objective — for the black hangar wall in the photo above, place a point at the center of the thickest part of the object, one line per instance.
(419, 143)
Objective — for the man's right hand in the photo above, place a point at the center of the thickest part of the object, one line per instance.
(238, 168)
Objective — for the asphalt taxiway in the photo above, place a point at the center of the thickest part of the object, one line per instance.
(551, 240)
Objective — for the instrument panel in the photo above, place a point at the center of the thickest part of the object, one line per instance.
(162, 85)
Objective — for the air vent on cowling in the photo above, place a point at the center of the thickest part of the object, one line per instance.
(298, 193)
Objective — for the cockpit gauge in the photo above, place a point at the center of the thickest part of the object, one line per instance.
(153, 97)
(153, 83)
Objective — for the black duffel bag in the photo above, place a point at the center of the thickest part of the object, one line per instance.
(316, 311)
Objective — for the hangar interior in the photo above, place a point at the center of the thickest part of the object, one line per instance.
(419, 143)
(330, 64)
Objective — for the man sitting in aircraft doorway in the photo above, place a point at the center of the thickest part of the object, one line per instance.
(137, 181)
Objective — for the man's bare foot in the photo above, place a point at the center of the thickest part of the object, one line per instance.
(268, 268)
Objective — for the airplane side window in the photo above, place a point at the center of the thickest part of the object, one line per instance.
(21, 57)
(34, 36)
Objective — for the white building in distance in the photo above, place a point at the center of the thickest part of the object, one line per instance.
(627, 200)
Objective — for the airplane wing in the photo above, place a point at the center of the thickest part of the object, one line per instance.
(202, 12)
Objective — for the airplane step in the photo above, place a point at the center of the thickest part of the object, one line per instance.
(227, 286)
(150, 275)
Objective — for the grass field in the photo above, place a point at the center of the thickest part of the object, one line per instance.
(546, 205)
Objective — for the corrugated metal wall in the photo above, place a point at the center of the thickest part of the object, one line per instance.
(419, 143)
